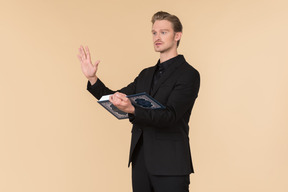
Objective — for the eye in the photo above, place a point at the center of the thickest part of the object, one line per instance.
(163, 32)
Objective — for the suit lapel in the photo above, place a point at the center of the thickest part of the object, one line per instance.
(149, 78)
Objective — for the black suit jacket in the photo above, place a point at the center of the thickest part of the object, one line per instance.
(165, 131)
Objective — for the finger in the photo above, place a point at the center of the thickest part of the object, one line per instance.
(114, 100)
(121, 96)
(97, 62)
(118, 97)
(87, 53)
(82, 51)
(80, 58)
(125, 99)
(111, 99)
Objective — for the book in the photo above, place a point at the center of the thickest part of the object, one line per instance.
(140, 99)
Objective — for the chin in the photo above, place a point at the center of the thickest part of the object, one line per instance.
(158, 50)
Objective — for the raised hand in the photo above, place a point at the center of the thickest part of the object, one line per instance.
(88, 69)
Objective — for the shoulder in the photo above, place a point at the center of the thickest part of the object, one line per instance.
(189, 76)
(147, 70)
(188, 70)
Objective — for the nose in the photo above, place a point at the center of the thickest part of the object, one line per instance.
(156, 37)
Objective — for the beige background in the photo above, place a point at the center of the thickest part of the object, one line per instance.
(55, 137)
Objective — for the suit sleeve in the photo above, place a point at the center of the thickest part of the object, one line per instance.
(179, 104)
(99, 89)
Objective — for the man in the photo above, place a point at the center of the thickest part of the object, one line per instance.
(160, 151)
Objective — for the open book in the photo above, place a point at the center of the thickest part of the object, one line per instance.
(140, 99)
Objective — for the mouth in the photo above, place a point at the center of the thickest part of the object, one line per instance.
(158, 43)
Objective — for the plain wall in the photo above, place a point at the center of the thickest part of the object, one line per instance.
(54, 136)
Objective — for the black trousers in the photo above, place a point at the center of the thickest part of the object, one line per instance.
(143, 181)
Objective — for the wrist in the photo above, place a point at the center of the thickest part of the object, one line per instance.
(131, 110)
(93, 80)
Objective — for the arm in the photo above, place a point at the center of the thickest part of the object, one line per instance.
(97, 88)
(118, 99)
(178, 106)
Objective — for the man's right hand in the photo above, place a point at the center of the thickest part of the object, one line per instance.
(88, 69)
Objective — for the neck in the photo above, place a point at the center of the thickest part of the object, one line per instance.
(165, 56)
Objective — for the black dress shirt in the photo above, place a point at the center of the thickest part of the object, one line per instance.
(161, 68)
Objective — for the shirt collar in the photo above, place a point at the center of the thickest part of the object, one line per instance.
(167, 63)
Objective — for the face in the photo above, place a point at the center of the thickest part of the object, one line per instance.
(164, 37)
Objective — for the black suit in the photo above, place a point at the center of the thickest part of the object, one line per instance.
(165, 131)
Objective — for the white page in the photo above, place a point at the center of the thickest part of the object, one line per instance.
(105, 97)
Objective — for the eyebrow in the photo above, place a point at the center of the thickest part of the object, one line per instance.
(160, 30)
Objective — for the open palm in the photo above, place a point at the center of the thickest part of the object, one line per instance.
(88, 69)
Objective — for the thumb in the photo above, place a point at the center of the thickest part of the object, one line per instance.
(97, 63)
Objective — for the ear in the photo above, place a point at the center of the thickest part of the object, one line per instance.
(178, 36)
